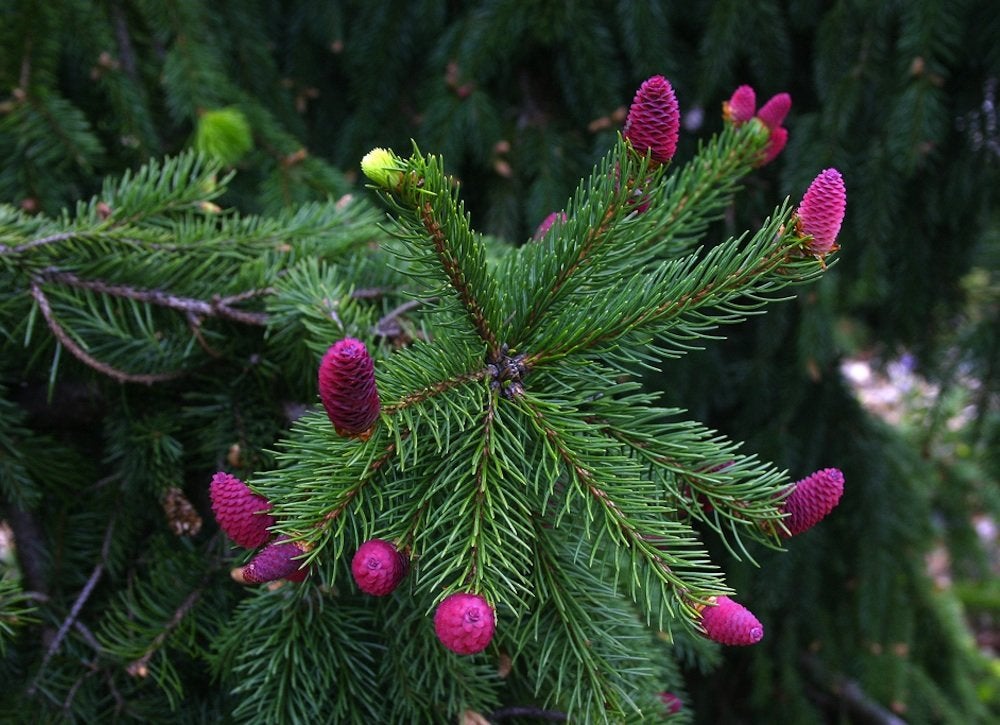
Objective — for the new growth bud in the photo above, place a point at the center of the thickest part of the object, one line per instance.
(727, 622)
(464, 623)
(241, 513)
(821, 212)
(378, 567)
(774, 111)
(812, 499)
(383, 167)
(347, 388)
(653, 120)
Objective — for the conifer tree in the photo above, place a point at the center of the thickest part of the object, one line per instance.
(172, 327)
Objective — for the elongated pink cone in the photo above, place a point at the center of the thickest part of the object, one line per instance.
(378, 567)
(548, 222)
(774, 111)
(821, 212)
(275, 561)
(464, 623)
(730, 623)
(741, 106)
(241, 513)
(347, 387)
(812, 499)
(654, 120)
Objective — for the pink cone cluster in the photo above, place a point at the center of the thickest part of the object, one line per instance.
(730, 623)
(742, 107)
(821, 213)
(812, 499)
(242, 514)
(653, 120)
(464, 623)
(378, 567)
(347, 387)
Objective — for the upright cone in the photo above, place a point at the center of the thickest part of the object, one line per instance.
(347, 387)
(654, 120)
(241, 513)
(812, 499)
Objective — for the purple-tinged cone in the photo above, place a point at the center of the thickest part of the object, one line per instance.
(654, 120)
(741, 105)
(727, 622)
(378, 567)
(812, 499)
(347, 388)
(464, 623)
(275, 561)
(548, 222)
(821, 213)
(241, 513)
(774, 111)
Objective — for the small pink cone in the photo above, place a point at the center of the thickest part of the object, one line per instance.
(347, 387)
(464, 623)
(774, 111)
(775, 145)
(821, 213)
(812, 499)
(730, 623)
(654, 120)
(275, 561)
(741, 105)
(674, 704)
(241, 513)
(378, 567)
(548, 222)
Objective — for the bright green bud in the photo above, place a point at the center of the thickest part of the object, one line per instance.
(223, 134)
(383, 167)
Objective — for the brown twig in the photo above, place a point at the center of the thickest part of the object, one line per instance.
(82, 355)
(75, 610)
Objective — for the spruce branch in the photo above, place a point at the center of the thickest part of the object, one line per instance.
(82, 355)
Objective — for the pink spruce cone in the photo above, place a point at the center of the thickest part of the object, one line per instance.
(674, 704)
(275, 561)
(741, 105)
(548, 222)
(774, 111)
(821, 212)
(347, 387)
(654, 120)
(240, 512)
(730, 623)
(775, 145)
(378, 567)
(464, 623)
(812, 499)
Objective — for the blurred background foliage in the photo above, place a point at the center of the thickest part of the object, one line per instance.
(891, 608)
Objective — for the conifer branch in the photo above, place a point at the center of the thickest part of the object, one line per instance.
(217, 307)
(140, 666)
(443, 386)
(457, 277)
(82, 355)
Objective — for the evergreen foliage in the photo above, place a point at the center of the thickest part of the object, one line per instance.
(163, 313)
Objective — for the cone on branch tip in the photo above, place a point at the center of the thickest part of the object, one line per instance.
(773, 113)
(673, 703)
(741, 106)
(275, 561)
(464, 623)
(728, 622)
(821, 213)
(378, 567)
(556, 217)
(811, 499)
(653, 120)
(241, 513)
(347, 388)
